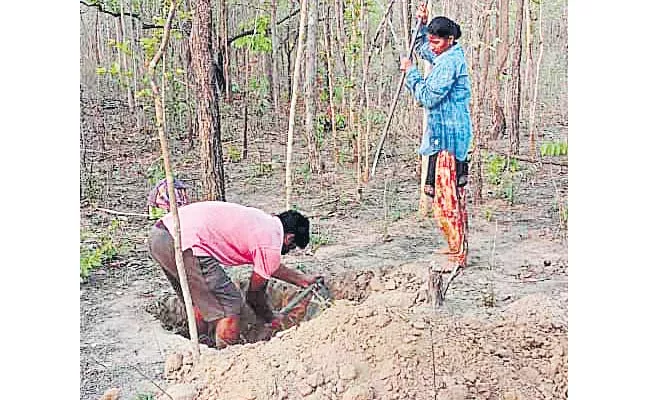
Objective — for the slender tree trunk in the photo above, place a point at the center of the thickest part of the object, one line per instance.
(382, 87)
(329, 52)
(207, 106)
(123, 60)
(406, 25)
(294, 98)
(365, 59)
(180, 265)
(225, 49)
(425, 204)
(498, 127)
(532, 128)
(309, 87)
(97, 57)
(190, 120)
(528, 80)
(341, 40)
(275, 84)
(482, 99)
(516, 79)
(246, 101)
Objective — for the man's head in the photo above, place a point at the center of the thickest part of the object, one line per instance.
(296, 230)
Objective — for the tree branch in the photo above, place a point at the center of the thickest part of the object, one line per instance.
(251, 31)
(146, 25)
(115, 14)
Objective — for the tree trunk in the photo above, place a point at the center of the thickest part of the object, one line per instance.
(406, 25)
(246, 101)
(275, 84)
(225, 49)
(532, 128)
(294, 99)
(515, 103)
(365, 59)
(124, 67)
(528, 81)
(309, 86)
(425, 203)
(498, 127)
(329, 52)
(207, 106)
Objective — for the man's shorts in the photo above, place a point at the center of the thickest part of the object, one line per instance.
(212, 290)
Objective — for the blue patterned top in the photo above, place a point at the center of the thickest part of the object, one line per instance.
(445, 94)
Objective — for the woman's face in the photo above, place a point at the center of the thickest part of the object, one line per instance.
(439, 44)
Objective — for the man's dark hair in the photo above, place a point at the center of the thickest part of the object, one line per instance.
(444, 27)
(298, 224)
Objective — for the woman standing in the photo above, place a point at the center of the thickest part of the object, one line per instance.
(445, 95)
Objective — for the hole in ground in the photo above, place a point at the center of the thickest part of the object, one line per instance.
(170, 311)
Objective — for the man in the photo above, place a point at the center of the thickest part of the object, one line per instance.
(217, 234)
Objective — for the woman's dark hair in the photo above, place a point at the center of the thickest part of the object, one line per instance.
(444, 27)
(298, 224)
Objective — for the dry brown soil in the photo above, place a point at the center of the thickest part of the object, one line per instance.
(501, 334)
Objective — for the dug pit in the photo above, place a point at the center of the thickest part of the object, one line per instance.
(170, 311)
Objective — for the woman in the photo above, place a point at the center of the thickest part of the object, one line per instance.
(445, 95)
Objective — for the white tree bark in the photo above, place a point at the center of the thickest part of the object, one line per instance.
(294, 99)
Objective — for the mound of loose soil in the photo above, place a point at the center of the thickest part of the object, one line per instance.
(390, 346)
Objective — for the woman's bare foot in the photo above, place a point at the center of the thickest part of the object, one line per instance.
(444, 250)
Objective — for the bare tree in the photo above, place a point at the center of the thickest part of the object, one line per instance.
(294, 99)
(329, 53)
(225, 48)
(533, 106)
(498, 126)
(310, 88)
(275, 84)
(207, 106)
(515, 102)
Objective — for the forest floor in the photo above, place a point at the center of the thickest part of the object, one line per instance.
(501, 333)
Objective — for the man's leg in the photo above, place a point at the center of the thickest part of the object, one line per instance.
(229, 298)
(161, 247)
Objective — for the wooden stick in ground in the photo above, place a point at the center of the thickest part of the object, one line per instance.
(394, 103)
(294, 99)
(180, 266)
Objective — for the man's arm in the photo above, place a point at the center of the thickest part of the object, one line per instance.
(256, 297)
(256, 294)
(293, 276)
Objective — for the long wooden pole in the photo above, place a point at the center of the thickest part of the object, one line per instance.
(180, 266)
(394, 103)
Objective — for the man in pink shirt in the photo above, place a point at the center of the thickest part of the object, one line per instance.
(217, 234)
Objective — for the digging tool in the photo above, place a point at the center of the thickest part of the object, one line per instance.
(318, 289)
(395, 99)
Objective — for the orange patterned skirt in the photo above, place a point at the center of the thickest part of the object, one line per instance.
(450, 207)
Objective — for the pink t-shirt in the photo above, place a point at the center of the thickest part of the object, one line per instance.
(231, 233)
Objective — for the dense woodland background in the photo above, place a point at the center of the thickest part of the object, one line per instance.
(227, 90)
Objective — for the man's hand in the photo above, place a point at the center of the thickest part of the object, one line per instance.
(256, 297)
(422, 13)
(405, 64)
(294, 276)
(308, 280)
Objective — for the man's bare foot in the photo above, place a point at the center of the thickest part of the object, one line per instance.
(444, 250)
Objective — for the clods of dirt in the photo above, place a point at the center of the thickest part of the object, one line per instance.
(390, 347)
